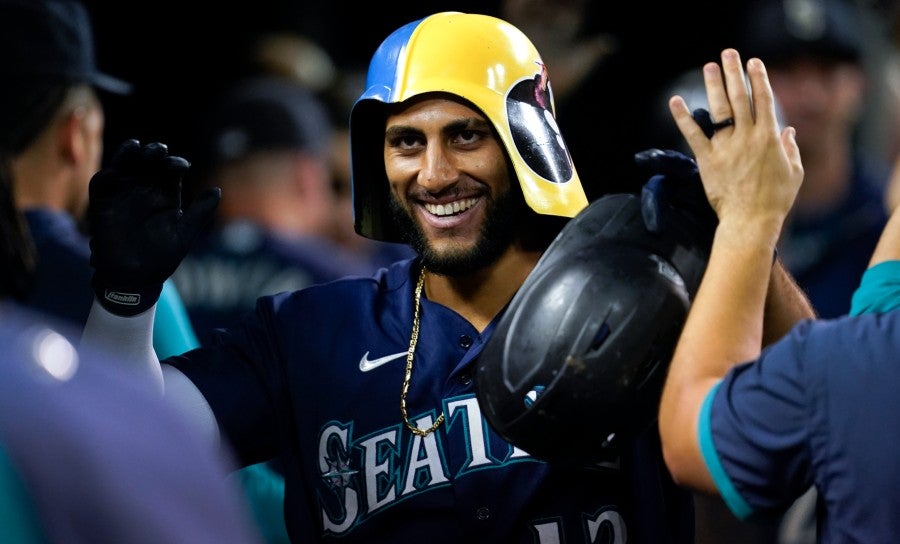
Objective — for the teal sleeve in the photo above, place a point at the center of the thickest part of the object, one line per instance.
(18, 519)
(173, 333)
(265, 489)
(878, 291)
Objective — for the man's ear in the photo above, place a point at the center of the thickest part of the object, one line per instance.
(77, 133)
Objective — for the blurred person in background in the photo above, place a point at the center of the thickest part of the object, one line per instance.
(817, 53)
(759, 424)
(299, 58)
(268, 143)
(376, 253)
(88, 453)
(267, 147)
(814, 51)
(51, 143)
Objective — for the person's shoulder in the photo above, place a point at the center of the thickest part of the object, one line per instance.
(57, 231)
(815, 345)
(350, 289)
(384, 280)
(56, 397)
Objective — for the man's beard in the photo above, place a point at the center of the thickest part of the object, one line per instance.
(502, 226)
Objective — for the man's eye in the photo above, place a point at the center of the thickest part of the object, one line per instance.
(468, 136)
(405, 141)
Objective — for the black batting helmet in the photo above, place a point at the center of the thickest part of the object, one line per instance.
(576, 365)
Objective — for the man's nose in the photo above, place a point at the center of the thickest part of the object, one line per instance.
(439, 171)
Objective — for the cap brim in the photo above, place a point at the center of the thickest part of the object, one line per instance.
(111, 84)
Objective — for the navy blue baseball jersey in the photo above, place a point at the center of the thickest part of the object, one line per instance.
(316, 375)
(62, 285)
(819, 407)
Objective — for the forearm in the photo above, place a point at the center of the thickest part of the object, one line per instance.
(888, 247)
(786, 304)
(128, 340)
(751, 172)
(879, 288)
(725, 324)
(724, 328)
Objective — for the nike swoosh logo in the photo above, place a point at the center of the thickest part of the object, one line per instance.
(366, 364)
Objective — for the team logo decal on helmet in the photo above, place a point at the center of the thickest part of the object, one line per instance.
(491, 65)
(534, 130)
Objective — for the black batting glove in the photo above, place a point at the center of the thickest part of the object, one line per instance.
(673, 180)
(139, 231)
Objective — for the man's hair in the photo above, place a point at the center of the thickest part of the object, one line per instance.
(16, 247)
(26, 109)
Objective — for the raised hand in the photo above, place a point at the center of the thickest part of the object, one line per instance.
(751, 170)
(139, 231)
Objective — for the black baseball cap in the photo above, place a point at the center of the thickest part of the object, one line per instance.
(48, 41)
(780, 30)
(267, 113)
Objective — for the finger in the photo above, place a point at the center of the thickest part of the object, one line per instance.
(132, 158)
(153, 155)
(763, 97)
(126, 152)
(716, 93)
(175, 165)
(738, 97)
(167, 176)
(690, 130)
(791, 149)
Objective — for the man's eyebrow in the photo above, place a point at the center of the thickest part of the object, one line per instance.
(467, 123)
(399, 130)
(464, 123)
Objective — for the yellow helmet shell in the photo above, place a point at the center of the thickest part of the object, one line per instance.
(492, 65)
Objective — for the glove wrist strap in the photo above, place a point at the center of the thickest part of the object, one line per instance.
(126, 301)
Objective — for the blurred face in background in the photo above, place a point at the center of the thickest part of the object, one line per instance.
(343, 229)
(821, 98)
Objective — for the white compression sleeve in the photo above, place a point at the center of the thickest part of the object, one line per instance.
(129, 340)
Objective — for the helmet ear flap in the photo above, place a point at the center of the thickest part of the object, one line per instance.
(574, 370)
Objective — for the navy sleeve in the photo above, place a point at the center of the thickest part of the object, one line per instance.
(759, 423)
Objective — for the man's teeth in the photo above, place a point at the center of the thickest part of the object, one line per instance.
(450, 209)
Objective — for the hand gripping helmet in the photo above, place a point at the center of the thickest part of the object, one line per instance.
(494, 67)
(574, 370)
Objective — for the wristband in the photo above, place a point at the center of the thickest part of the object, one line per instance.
(125, 301)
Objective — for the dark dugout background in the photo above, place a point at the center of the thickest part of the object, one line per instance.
(179, 54)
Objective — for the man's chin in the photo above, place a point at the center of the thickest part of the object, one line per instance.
(454, 263)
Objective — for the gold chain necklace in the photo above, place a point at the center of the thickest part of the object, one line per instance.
(413, 340)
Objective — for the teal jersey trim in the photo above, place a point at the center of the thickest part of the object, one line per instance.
(173, 333)
(729, 493)
(18, 519)
(878, 291)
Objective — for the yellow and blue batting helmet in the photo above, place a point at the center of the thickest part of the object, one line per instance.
(492, 65)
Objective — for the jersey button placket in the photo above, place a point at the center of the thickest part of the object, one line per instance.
(465, 379)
